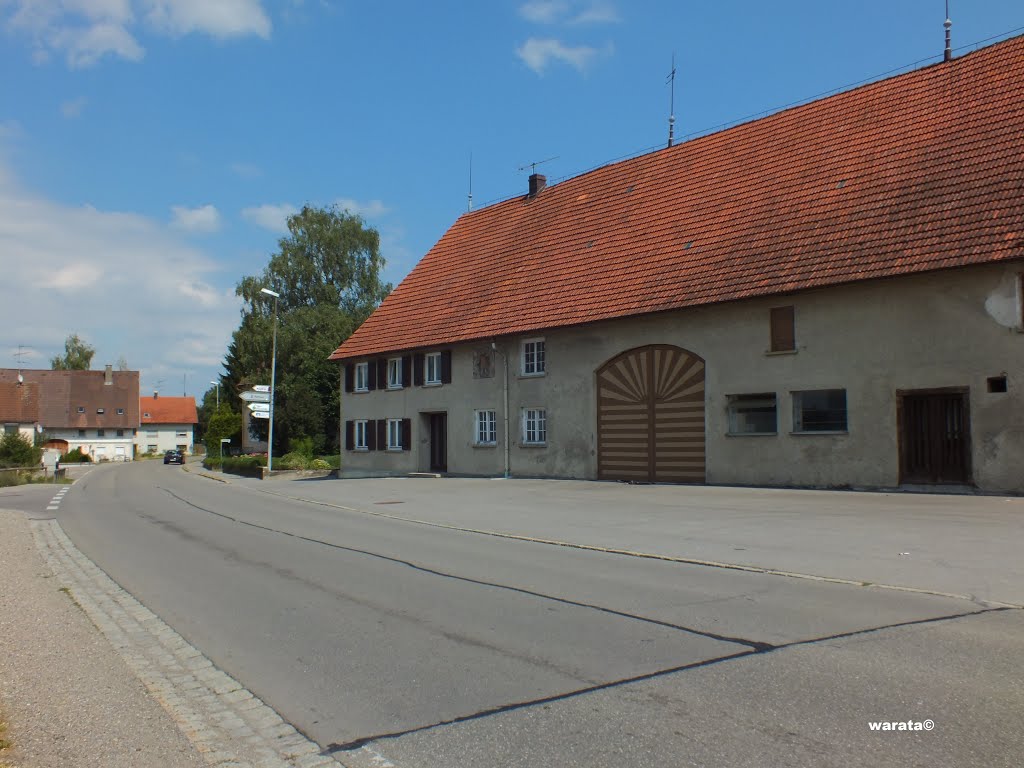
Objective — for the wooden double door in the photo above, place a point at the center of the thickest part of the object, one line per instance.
(934, 436)
(650, 416)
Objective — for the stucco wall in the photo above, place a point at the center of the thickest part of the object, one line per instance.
(947, 329)
(166, 437)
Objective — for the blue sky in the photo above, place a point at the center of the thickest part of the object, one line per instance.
(150, 150)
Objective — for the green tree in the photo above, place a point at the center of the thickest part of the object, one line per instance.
(223, 423)
(327, 272)
(77, 355)
(18, 451)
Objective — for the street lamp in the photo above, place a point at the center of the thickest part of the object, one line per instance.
(217, 385)
(273, 374)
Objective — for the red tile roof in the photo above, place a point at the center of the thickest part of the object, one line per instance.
(919, 172)
(168, 410)
(74, 399)
(19, 403)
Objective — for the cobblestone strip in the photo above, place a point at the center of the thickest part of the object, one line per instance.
(229, 726)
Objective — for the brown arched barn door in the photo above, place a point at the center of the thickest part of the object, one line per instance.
(650, 416)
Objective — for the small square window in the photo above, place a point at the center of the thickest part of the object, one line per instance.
(120, 433)
(997, 384)
(753, 414)
(120, 411)
(81, 433)
(81, 409)
(101, 433)
(486, 430)
(535, 426)
(820, 410)
(394, 373)
(101, 410)
(534, 363)
(362, 377)
(432, 368)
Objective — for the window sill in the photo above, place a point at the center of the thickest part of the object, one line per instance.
(540, 375)
(431, 383)
(359, 391)
(359, 449)
(391, 388)
(751, 434)
(491, 446)
(389, 449)
(533, 445)
(779, 352)
(820, 432)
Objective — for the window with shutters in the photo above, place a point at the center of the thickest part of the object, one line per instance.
(394, 434)
(362, 383)
(820, 410)
(361, 443)
(432, 368)
(783, 330)
(486, 430)
(535, 426)
(394, 373)
(534, 363)
(755, 414)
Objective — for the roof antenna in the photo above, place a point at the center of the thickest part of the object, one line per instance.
(19, 356)
(948, 54)
(672, 101)
(533, 166)
(469, 204)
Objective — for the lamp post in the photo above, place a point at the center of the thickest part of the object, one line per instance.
(273, 375)
(217, 385)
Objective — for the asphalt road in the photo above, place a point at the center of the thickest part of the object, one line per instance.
(444, 648)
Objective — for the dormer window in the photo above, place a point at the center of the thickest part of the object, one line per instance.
(100, 410)
(145, 415)
(120, 411)
(81, 409)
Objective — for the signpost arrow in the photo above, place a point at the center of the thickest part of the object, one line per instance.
(260, 414)
(261, 388)
(255, 397)
(259, 407)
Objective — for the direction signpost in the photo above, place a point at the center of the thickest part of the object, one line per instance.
(255, 396)
(259, 407)
(260, 415)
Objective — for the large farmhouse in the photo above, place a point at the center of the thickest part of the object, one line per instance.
(830, 296)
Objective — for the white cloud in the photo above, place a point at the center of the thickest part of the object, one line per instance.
(223, 18)
(371, 209)
(246, 170)
(122, 280)
(73, 107)
(538, 53)
(205, 218)
(85, 31)
(564, 12)
(544, 11)
(272, 217)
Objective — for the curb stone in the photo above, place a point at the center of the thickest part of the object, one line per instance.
(228, 725)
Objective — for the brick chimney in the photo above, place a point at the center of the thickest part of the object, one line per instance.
(155, 394)
(108, 375)
(537, 183)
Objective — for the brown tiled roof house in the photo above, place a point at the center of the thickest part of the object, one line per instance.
(852, 263)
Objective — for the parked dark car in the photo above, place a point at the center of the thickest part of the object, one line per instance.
(174, 457)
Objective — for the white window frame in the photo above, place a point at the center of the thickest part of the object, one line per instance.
(533, 357)
(799, 428)
(756, 402)
(394, 434)
(359, 435)
(431, 360)
(151, 448)
(394, 373)
(362, 377)
(485, 427)
(535, 426)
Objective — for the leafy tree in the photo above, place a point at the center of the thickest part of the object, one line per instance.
(77, 355)
(327, 272)
(223, 423)
(18, 451)
(122, 363)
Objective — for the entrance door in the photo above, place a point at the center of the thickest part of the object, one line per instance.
(650, 416)
(935, 437)
(439, 442)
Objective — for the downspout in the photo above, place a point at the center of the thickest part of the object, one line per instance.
(504, 392)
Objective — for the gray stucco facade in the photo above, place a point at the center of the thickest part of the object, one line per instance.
(957, 330)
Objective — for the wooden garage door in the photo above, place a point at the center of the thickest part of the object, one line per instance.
(650, 416)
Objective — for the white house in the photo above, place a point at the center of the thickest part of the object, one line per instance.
(166, 423)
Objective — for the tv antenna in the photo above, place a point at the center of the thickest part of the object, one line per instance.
(469, 202)
(18, 356)
(671, 82)
(948, 24)
(533, 166)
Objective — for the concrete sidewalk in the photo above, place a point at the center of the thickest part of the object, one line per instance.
(67, 696)
(952, 544)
